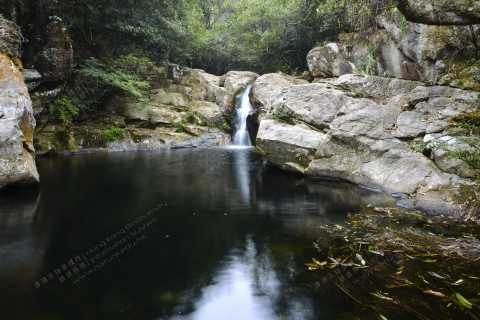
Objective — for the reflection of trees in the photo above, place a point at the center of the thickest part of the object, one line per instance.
(21, 246)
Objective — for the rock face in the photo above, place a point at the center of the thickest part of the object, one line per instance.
(370, 131)
(403, 50)
(441, 12)
(330, 60)
(52, 53)
(17, 165)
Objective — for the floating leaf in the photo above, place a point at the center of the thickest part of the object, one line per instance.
(429, 261)
(379, 252)
(435, 293)
(467, 304)
(360, 258)
(436, 275)
(382, 317)
(381, 296)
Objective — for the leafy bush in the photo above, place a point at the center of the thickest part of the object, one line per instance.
(67, 108)
(117, 74)
(468, 133)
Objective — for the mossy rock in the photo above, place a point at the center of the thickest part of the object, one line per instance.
(462, 74)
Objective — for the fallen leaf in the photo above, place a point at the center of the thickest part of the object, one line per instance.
(435, 293)
(436, 275)
(467, 304)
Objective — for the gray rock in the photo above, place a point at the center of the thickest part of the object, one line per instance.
(333, 133)
(314, 104)
(238, 80)
(329, 61)
(267, 88)
(441, 12)
(17, 164)
(419, 94)
(282, 143)
(208, 110)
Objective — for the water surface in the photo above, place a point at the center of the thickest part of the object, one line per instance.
(180, 234)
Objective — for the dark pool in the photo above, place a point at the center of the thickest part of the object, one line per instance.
(181, 234)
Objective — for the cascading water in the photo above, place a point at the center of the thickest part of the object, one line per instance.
(244, 108)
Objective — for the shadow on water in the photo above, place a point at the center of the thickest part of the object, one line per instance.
(187, 234)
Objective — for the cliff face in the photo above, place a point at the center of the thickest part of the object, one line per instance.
(441, 12)
(17, 165)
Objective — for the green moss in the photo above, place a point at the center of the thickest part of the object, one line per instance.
(112, 134)
(284, 113)
(462, 74)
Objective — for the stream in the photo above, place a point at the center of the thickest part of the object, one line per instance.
(176, 234)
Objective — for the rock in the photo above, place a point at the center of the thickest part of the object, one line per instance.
(267, 88)
(450, 165)
(410, 51)
(235, 81)
(208, 110)
(335, 132)
(163, 115)
(42, 98)
(441, 12)
(52, 52)
(17, 164)
(32, 78)
(419, 94)
(411, 124)
(160, 97)
(314, 104)
(204, 86)
(282, 143)
(329, 61)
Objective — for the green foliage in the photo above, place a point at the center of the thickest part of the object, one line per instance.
(225, 127)
(112, 134)
(66, 109)
(355, 15)
(116, 74)
(468, 133)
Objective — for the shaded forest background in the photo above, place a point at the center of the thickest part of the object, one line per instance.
(214, 35)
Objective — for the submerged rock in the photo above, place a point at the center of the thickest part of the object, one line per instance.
(17, 164)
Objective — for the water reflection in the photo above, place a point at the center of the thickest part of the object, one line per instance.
(229, 243)
(21, 246)
(248, 287)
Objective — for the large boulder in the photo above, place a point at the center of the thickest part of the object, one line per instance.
(329, 61)
(17, 164)
(441, 12)
(266, 89)
(236, 81)
(370, 131)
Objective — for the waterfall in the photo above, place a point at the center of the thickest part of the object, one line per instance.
(244, 108)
